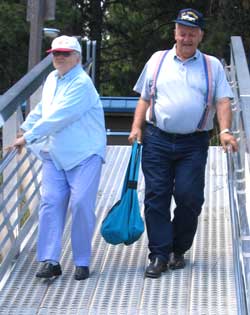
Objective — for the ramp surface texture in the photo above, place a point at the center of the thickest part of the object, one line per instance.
(117, 285)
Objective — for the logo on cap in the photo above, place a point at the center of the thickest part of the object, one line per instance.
(189, 16)
(62, 42)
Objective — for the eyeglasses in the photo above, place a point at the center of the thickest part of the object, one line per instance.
(61, 53)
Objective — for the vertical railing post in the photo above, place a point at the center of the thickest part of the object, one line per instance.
(88, 48)
(240, 76)
(9, 132)
(93, 60)
(91, 54)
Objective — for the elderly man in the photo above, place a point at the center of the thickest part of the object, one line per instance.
(180, 91)
(68, 124)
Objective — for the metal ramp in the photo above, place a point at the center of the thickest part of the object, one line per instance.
(117, 285)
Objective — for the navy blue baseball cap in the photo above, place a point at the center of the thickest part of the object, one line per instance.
(190, 17)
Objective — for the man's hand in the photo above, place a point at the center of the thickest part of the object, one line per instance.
(139, 120)
(224, 116)
(228, 139)
(135, 134)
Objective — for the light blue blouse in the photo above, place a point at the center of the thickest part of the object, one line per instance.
(69, 120)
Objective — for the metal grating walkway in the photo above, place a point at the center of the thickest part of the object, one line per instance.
(117, 285)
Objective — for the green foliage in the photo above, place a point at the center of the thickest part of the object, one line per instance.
(127, 32)
(133, 32)
(13, 42)
(68, 20)
(225, 19)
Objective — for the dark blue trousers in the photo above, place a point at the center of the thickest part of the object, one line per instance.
(173, 166)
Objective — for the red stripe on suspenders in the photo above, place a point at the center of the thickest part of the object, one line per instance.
(209, 89)
(153, 87)
(209, 93)
(210, 82)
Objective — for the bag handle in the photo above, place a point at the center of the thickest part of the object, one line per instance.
(135, 161)
(132, 173)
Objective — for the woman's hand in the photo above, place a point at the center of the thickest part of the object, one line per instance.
(19, 143)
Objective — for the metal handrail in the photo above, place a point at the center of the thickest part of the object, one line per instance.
(240, 283)
(240, 82)
(27, 85)
(17, 208)
(7, 158)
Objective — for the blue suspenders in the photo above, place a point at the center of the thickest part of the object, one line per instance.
(208, 96)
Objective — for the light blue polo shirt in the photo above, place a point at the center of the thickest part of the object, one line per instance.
(181, 91)
(69, 120)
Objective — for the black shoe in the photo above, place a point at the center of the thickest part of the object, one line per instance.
(176, 261)
(81, 272)
(155, 268)
(48, 271)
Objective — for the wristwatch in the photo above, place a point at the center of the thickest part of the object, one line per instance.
(226, 131)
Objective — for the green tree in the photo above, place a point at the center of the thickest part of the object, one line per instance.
(127, 33)
(68, 20)
(82, 18)
(14, 40)
(133, 31)
(225, 19)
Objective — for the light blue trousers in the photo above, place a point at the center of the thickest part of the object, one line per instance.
(76, 189)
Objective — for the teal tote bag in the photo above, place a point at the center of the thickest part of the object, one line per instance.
(123, 223)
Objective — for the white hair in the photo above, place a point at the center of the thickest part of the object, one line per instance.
(79, 55)
(200, 30)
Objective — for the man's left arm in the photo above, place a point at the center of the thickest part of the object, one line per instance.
(224, 117)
